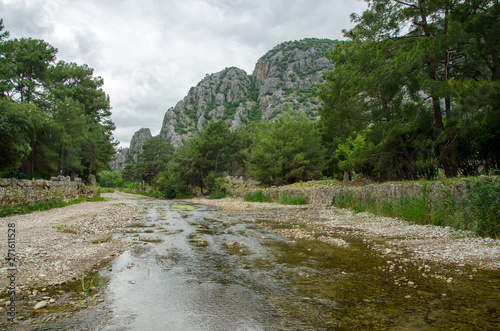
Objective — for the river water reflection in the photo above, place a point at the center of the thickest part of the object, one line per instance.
(192, 269)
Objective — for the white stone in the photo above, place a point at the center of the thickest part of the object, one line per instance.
(40, 305)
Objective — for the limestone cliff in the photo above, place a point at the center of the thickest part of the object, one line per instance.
(138, 140)
(119, 161)
(282, 81)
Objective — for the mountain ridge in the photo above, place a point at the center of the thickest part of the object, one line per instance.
(282, 81)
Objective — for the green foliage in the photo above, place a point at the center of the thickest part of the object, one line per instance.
(293, 200)
(285, 151)
(110, 179)
(257, 196)
(87, 285)
(205, 157)
(55, 116)
(107, 190)
(478, 212)
(153, 159)
(18, 124)
(482, 208)
(427, 96)
(25, 209)
(220, 191)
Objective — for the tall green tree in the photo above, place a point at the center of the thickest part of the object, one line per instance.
(154, 158)
(207, 156)
(63, 111)
(285, 151)
(19, 124)
(401, 64)
(25, 63)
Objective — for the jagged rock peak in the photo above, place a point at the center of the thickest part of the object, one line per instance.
(119, 161)
(217, 96)
(138, 140)
(281, 82)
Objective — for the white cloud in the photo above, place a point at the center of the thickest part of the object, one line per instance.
(151, 52)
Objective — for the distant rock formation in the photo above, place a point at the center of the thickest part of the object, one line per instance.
(138, 140)
(282, 81)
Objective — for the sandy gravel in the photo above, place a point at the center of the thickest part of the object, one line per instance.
(58, 245)
(390, 237)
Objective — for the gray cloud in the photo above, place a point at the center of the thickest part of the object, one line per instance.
(151, 52)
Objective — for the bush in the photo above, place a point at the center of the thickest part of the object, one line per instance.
(257, 196)
(293, 200)
(217, 195)
(482, 208)
(110, 179)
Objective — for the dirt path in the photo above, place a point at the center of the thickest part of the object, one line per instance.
(58, 245)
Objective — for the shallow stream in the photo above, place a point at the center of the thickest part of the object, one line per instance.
(193, 268)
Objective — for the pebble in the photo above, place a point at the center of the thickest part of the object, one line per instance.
(40, 305)
(450, 280)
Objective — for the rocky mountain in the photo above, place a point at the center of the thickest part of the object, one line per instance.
(138, 140)
(125, 155)
(282, 81)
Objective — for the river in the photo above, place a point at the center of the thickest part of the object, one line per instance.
(194, 268)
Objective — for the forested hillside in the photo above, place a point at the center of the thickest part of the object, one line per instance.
(282, 82)
(54, 116)
(413, 92)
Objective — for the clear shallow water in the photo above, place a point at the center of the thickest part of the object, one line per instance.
(199, 270)
(193, 268)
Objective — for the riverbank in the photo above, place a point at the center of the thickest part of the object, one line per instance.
(411, 258)
(56, 246)
(396, 239)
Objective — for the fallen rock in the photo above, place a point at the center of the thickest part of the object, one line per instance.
(40, 305)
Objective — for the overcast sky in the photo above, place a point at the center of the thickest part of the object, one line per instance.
(150, 52)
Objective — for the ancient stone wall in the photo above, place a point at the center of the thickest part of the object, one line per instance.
(17, 192)
(325, 195)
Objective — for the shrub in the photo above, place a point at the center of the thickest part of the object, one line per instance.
(482, 208)
(293, 200)
(257, 196)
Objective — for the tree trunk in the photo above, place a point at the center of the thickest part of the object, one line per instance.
(62, 159)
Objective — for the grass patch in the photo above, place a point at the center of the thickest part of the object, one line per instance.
(216, 195)
(107, 190)
(482, 207)
(24, 209)
(257, 196)
(152, 194)
(87, 285)
(293, 200)
(478, 211)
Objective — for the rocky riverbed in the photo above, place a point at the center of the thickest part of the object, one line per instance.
(388, 236)
(58, 246)
(55, 249)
